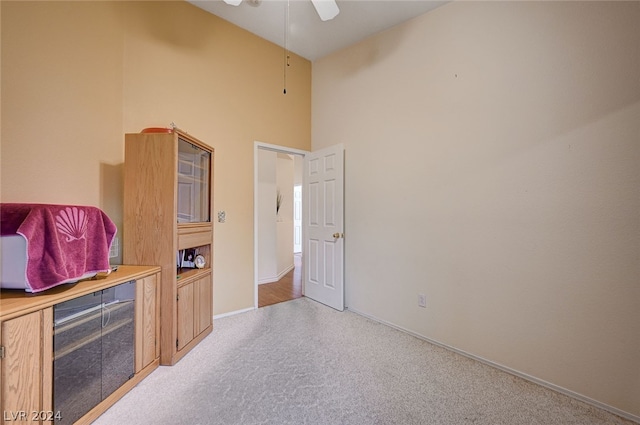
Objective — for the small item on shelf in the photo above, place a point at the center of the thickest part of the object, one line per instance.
(188, 257)
(200, 261)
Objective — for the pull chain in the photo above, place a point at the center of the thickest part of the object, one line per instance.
(286, 49)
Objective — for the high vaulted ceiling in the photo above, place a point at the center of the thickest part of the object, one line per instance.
(307, 35)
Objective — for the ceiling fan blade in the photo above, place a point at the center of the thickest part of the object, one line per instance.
(233, 2)
(327, 9)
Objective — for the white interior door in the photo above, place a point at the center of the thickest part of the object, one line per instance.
(323, 212)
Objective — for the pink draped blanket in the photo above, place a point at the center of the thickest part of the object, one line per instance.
(64, 242)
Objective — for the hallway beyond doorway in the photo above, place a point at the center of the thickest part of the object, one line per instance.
(286, 289)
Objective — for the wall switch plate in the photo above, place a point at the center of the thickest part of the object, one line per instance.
(422, 300)
(222, 216)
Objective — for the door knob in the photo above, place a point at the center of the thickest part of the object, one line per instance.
(338, 235)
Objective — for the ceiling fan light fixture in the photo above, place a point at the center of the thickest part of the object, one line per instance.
(327, 9)
(233, 2)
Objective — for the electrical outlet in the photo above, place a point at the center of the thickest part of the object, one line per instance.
(222, 216)
(422, 300)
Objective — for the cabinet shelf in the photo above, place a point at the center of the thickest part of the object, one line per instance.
(90, 338)
(189, 179)
(188, 275)
(91, 316)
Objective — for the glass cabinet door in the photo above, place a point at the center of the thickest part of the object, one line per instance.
(194, 167)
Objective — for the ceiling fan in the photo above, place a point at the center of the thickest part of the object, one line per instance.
(327, 9)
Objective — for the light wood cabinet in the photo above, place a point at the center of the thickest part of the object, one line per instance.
(26, 367)
(167, 213)
(27, 335)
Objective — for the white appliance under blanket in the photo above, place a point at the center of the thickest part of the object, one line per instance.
(13, 270)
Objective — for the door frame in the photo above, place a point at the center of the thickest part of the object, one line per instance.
(279, 149)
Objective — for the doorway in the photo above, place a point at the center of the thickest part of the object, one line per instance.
(278, 255)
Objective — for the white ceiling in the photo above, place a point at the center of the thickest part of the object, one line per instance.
(308, 36)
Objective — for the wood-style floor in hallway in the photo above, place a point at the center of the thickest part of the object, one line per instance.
(286, 289)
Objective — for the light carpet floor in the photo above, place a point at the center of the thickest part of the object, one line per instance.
(300, 362)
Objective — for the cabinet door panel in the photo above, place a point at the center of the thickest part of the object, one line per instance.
(203, 314)
(118, 336)
(185, 315)
(22, 365)
(194, 164)
(146, 321)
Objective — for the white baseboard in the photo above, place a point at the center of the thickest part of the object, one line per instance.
(549, 385)
(276, 278)
(232, 313)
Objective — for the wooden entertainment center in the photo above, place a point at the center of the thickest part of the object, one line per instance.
(27, 343)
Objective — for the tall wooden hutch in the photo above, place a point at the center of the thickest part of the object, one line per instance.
(167, 222)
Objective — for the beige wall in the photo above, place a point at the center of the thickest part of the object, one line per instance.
(76, 76)
(493, 164)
